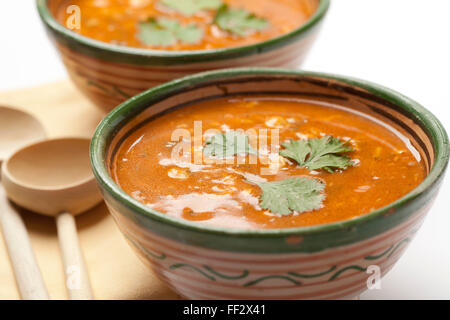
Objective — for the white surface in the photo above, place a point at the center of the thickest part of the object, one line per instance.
(402, 44)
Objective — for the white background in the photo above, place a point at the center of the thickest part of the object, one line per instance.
(402, 44)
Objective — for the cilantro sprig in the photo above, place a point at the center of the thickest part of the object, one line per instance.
(318, 153)
(228, 144)
(293, 194)
(239, 21)
(190, 7)
(167, 32)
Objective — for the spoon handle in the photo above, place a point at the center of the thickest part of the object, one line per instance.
(28, 276)
(77, 278)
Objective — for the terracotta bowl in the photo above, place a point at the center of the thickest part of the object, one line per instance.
(327, 261)
(109, 74)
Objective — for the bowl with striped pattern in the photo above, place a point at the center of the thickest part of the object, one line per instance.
(329, 261)
(110, 74)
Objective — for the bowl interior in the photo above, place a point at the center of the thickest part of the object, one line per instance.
(48, 9)
(422, 129)
(315, 88)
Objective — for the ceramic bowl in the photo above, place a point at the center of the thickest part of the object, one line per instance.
(110, 74)
(327, 261)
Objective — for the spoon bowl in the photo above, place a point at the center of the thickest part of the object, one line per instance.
(51, 177)
(17, 129)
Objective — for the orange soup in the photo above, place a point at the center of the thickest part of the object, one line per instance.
(266, 162)
(184, 24)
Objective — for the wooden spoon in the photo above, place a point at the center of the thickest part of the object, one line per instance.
(54, 178)
(17, 129)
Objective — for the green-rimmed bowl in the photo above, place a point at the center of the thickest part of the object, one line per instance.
(110, 74)
(320, 262)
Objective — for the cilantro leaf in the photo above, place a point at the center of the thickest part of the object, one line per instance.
(190, 7)
(323, 153)
(166, 32)
(224, 145)
(239, 21)
(293, 194)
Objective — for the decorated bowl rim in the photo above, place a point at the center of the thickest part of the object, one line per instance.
(128, 53)
(127, 110)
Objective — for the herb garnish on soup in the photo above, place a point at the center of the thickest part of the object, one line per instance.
(187, 24)
(266, 162)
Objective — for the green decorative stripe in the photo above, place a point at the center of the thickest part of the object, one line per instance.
(188, 266)
(244, 274)
(393, 246)
(398, 245)
(389, 252)
(288, 277)
(315, 275)
(337, 274)
(121, 92)
(379, 255)
(113, 92)
(258, 280)
(159, 256)
(92, 83)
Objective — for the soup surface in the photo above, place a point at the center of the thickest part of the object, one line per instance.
(353, 164)
(186, 24)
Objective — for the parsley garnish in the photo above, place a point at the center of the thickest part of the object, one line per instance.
(167, 32)
(189, 7)
(323, 153)
(239, 21)
(224, 145)
(293, 194)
